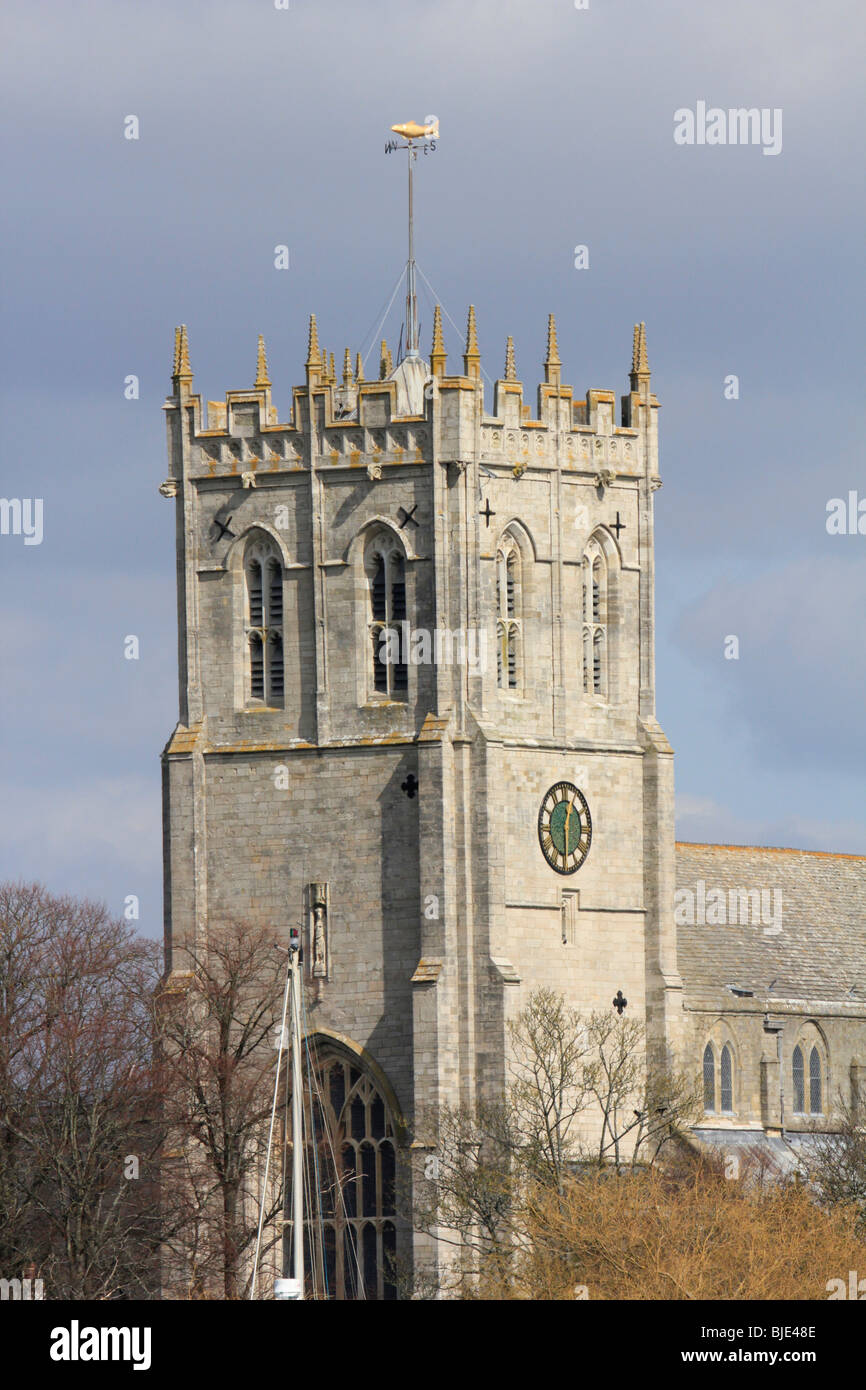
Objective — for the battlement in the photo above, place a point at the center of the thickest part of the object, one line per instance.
(394, 418)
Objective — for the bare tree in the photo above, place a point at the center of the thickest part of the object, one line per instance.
(551, 1053)
(79, 1096)
(641, 1108)
(838, 1165)
(614, 1079)
(218, 1025)
(470, 1195)
(569, 1078)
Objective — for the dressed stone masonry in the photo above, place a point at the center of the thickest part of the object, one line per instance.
(403, 799)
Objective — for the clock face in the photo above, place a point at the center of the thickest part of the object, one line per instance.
(564, 828)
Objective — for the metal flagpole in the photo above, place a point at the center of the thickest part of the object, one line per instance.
(429, 134)
(411, 303)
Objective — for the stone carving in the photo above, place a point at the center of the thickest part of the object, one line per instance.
(319, 930)
(169, 487)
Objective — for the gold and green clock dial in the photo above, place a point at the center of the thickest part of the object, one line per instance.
(564, 828)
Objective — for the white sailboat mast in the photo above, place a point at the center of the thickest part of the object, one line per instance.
(297, 1129)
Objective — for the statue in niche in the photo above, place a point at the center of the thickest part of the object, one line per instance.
(319, 930)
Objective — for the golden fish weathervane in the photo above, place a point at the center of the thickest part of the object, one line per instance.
(411, 130)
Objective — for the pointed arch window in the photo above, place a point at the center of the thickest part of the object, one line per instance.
(263, 625)
(709, 1078)
(595, 620)
(718, 1079)
(815, 1106)
(799, 1081)
(350, 1142)
(509, 602)
(807, 1068)
(726, 1068)
(385, 566)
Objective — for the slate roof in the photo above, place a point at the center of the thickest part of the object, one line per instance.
(820, 952)
(787, 1155)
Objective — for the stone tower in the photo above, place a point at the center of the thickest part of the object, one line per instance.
(410, 633)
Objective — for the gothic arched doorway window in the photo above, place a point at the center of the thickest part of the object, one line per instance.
(350, 1236)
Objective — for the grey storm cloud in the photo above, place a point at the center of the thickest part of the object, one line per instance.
(261, 127)
(797, 684)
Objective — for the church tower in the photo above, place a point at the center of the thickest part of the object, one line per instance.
(417, 715)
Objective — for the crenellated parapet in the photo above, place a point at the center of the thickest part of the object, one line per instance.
(395, 417)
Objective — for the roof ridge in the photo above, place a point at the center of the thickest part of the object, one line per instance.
(768, 849)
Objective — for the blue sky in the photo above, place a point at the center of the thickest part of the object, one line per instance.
(260, 127)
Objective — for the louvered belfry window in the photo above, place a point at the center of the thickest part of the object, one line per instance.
(398, 616)
(256, 590)
(257, 667)
(275, 594)
(385, 566)
(508, 615)
(276, 669)
(595, 620)
(379, 607)
(263, 572)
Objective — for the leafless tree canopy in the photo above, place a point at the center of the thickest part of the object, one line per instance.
(134, 1116)
(217, 1035)
(79, 1097)
(838, 1169)
(569, 1077)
